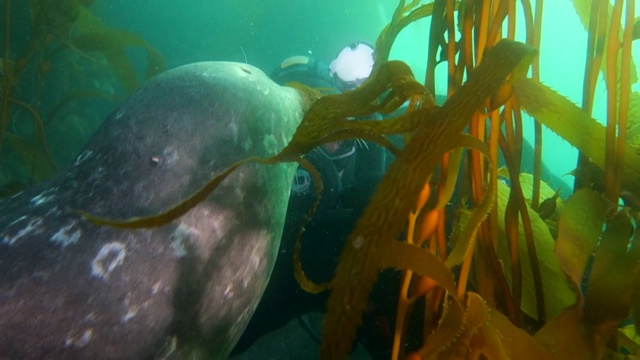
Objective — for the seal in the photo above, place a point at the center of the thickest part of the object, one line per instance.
(73, 289)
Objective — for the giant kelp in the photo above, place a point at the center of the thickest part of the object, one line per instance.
(54, 45)
(507, 282)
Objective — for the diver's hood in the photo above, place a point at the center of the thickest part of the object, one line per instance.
(353, 65)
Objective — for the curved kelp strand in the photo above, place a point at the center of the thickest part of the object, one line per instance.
(390, 32)
(472, 328)
(375, 130)
(385, 215)
(176, 211)
(449, 328)
(305, 283)
(393, 80)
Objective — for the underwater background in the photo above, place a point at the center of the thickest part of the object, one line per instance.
(261, 33)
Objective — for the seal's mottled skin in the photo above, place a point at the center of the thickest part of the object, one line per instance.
(71, 289)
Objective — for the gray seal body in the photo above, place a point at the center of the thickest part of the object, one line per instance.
(72, 289)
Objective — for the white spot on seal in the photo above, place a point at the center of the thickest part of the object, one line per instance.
(156, 287)
(79, 340)
(179, 236)
(97, 174)
(170, 154)
(234, 131)
(33, 226)
(284, 139)
(17, 220)
(82, 157)
(358, 242)
(119, 114)
(270, 144)
(43, 197)
(65, 236)
(247, 144)
(228, 292)
(131, 313)
(117, 250)
(263, 89)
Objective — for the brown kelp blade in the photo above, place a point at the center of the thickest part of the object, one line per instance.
(565, 337)
(401, 255)
(608, 298)
(589, 325)
(579, 230)
(575, 126)
(448, 330)
(557, 293)
(484, 331)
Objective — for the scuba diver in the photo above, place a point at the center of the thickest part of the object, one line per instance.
(350, 171)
